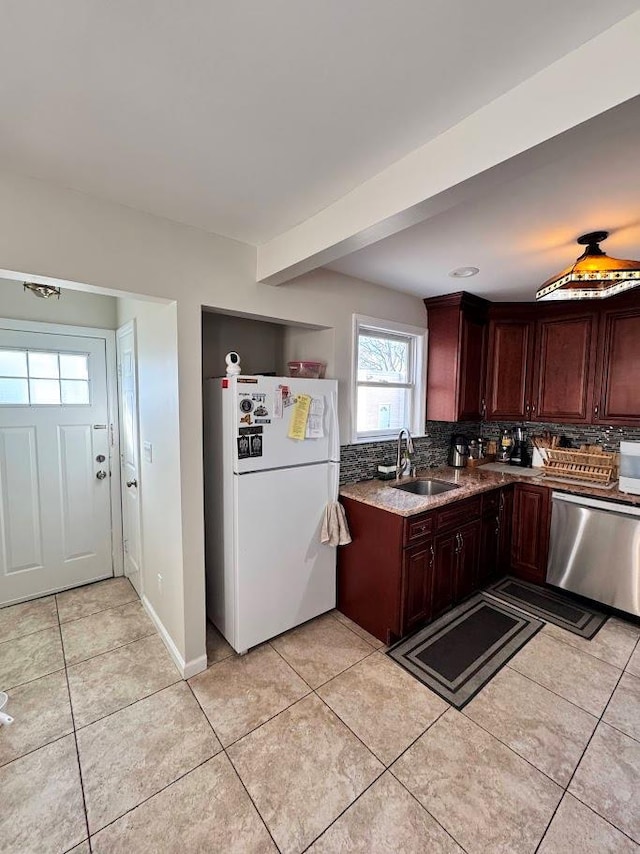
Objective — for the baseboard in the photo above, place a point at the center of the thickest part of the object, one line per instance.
(186, 668)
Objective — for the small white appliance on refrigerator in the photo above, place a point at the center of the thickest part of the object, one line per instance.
(265, 497)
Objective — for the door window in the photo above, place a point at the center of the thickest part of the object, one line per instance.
(44, 378)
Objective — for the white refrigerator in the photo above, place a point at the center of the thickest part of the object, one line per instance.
(265, 496)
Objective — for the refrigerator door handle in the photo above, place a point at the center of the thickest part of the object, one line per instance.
(334, 430)
(334, 481)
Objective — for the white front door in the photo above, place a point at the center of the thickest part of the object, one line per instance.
(129, 453)
(55, 507)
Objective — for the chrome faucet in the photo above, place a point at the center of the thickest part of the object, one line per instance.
(402, 459)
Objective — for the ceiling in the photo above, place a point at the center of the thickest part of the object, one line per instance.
(247, 117)
(524, 230)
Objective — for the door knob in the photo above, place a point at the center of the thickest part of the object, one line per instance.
(101, 475)
(131, 483)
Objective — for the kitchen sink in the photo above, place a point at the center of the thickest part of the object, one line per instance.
(425, 487)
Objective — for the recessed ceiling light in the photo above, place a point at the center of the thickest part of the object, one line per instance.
(464, 272)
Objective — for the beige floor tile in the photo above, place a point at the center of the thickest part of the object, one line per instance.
(103, 631)
(41, 801)
(634, 662)
(574, 675)
(83, 848)
(206, 811)
(540, 726)
(363, 633)
(29, 657)
(608, 779)
(614, 642)
(41, 713)
(623, 711)
(386, 819)
(83, 601)
(482, 793)
(217, 647)
(302, 769)
(113, 680)
(27, 617)
(383, 705)
(577, 828)
(132, 754)
(321, 649)
(241, 693)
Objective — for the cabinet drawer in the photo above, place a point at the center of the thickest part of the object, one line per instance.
(490, 502)
(417, 527)
(457, 514)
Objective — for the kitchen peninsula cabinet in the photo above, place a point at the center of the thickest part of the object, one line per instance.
(456, 357)
(530, 532)
(398, 573)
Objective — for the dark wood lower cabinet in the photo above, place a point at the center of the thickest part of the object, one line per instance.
(466, 579)
(445, 573)
(399, 573)
(530, 532)
(417, 584)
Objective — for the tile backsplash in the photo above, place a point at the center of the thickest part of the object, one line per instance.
(359, 462)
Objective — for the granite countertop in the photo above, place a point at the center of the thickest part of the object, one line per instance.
(470, 482)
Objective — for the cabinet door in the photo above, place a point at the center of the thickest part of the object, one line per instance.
(564, 360)
(489, 565)
(530, 542)
(619, 358)
(510, 347)
(446, 554)
(505, 517)
(417, 582)
(471, 371)
(468, 558)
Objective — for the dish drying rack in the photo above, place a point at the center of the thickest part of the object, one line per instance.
(589, 465)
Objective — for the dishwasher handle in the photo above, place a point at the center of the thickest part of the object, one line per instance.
(597, 504)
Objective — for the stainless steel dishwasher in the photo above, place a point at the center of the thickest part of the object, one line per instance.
(595, 550)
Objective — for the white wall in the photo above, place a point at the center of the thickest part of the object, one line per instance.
(73, 308)
(259, 343)
(157, 351)
(54, 232)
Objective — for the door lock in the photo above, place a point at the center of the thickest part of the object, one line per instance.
(100, 458)
(131, 483)
(101, 475)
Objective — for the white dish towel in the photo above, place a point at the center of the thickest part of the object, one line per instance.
(335, 530)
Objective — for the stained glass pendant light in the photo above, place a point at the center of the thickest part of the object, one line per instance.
(593, 276)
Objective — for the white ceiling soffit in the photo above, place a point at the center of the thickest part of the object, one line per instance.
(463, 160)
(245, 118)
(523, 230)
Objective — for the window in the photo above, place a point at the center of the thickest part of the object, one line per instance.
(41, 378)
(388, 379)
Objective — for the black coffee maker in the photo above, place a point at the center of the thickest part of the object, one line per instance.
(520, 455)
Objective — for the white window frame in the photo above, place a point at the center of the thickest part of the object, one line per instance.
(418, 370)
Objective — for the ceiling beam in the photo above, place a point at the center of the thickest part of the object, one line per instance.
(595, 77)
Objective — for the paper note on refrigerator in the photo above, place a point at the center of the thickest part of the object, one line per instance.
(315, 422)
(299, 417)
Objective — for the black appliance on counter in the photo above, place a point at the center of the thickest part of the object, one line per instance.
(459, 450)
(520, 455)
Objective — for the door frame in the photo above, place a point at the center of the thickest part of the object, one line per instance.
(130, 326)
(109, 337)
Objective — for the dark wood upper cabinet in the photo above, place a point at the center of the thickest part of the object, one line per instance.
(617, 398)
(509, 368)
(456, 357)
(564, 367)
